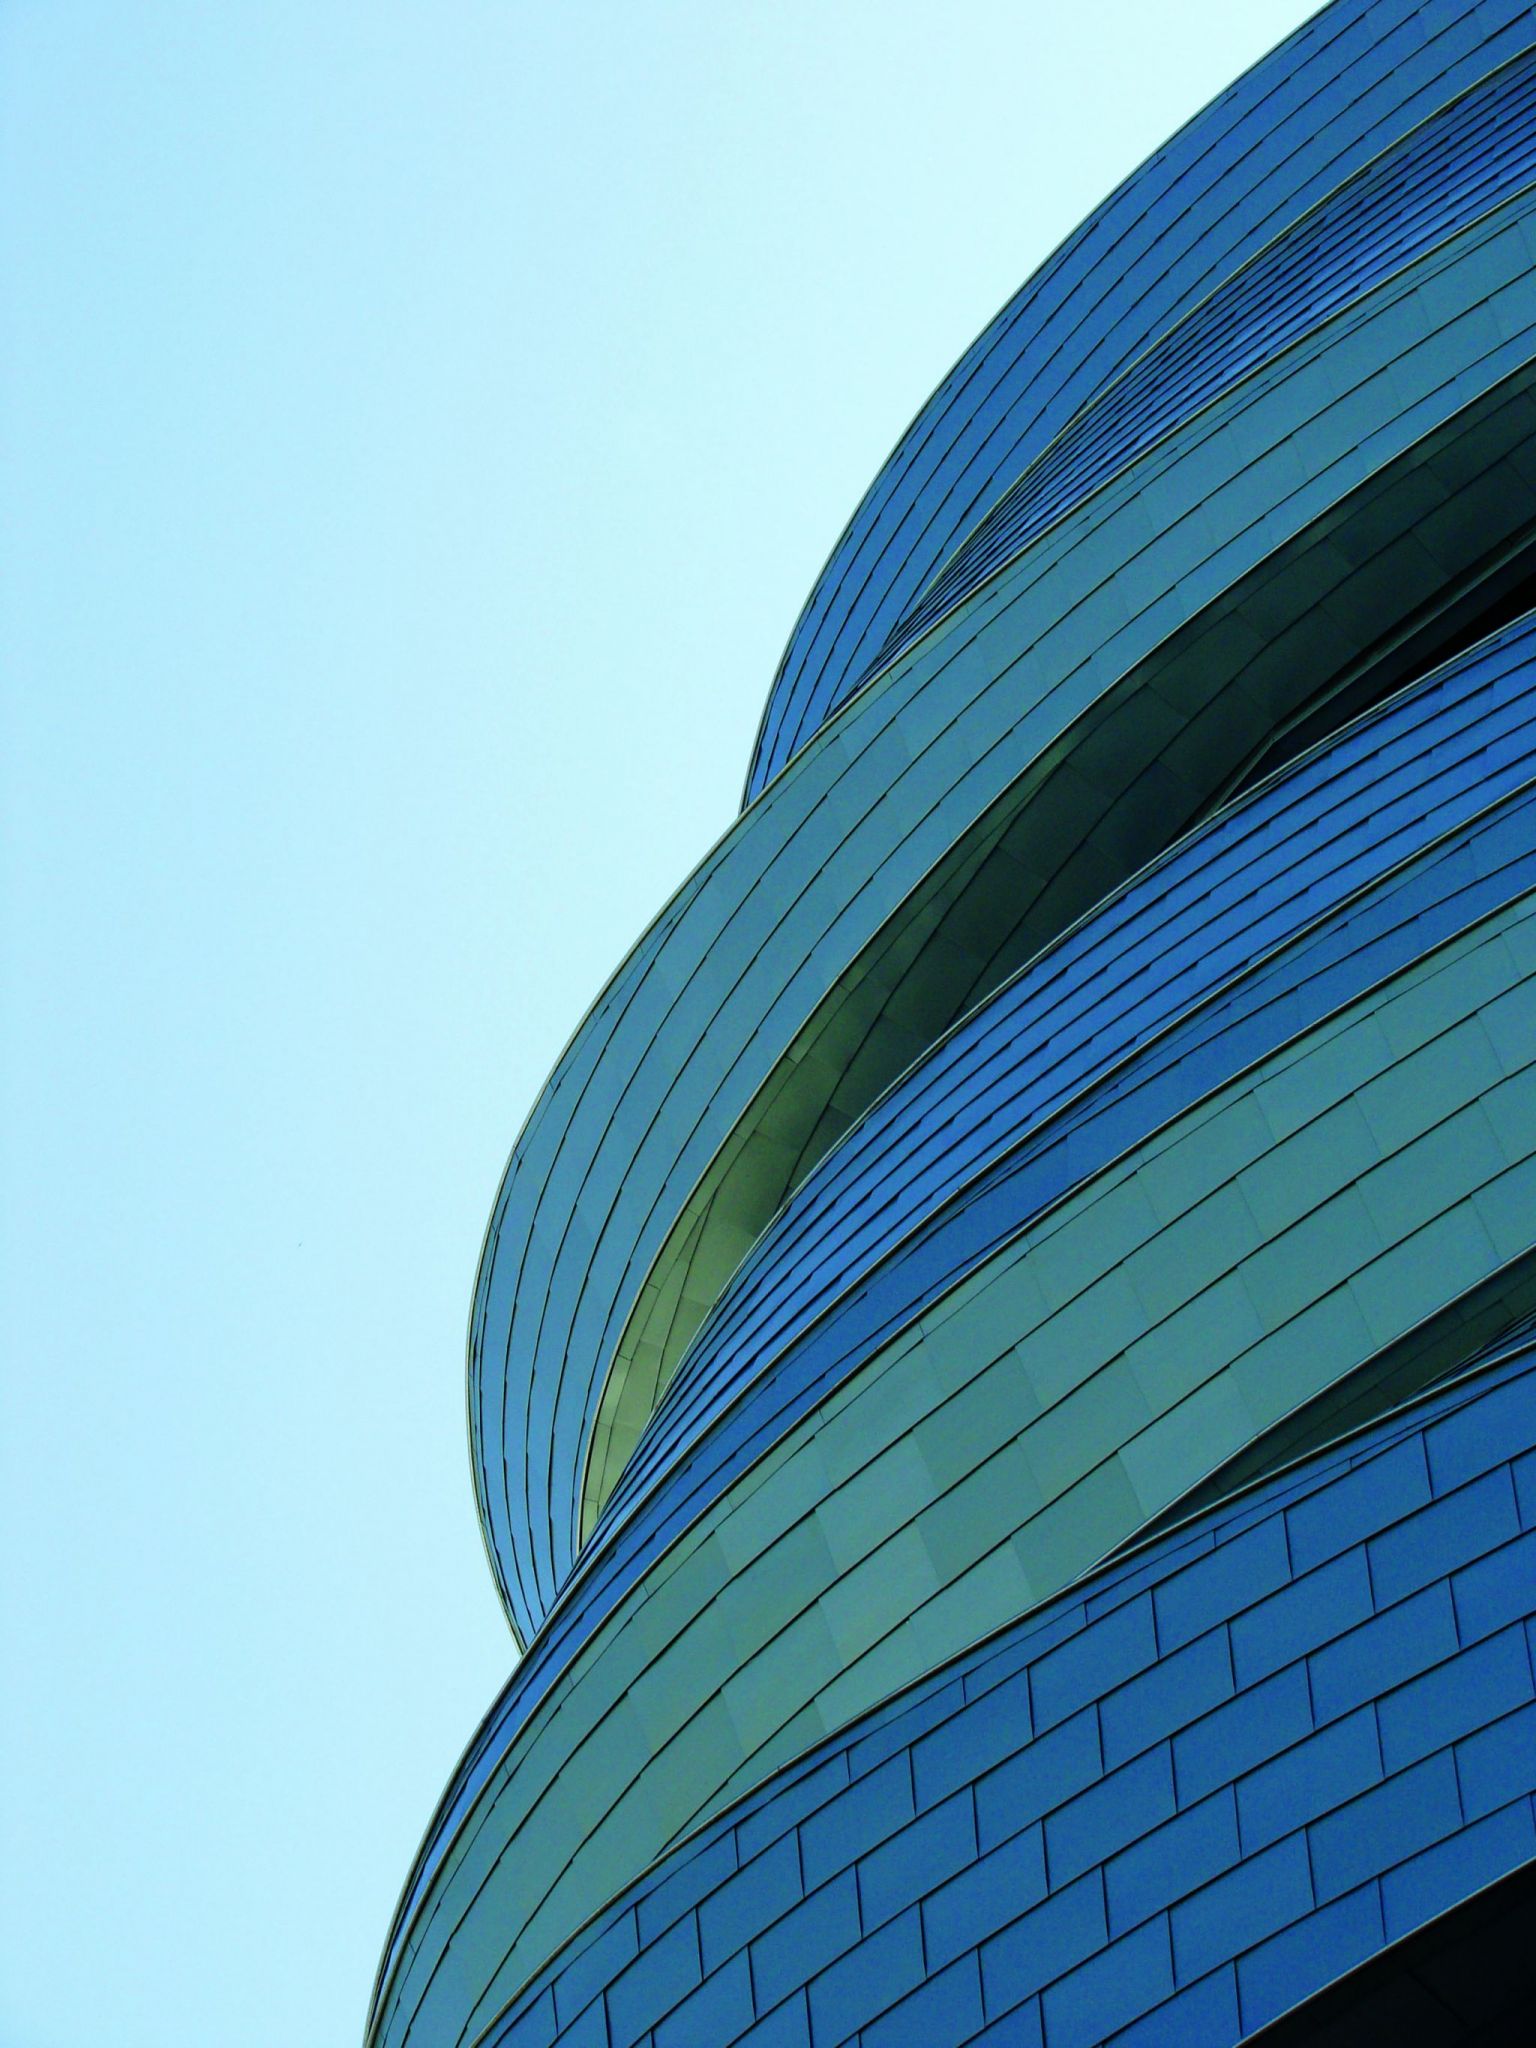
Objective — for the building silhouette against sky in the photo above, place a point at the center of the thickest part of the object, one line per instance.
(1000, 1378)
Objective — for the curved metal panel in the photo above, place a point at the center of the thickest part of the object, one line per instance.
(1094, 731)
(1031, 1420)
(1168, 1807)
(1346, 86)
(1097, 1071)
(1164, 955)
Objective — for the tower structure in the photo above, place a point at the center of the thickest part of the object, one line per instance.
(1000, 1379)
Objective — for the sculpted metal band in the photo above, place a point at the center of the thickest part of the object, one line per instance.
(1002, 1376)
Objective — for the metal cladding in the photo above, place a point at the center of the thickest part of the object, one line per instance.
(1175, 1802)
(1001, 1383)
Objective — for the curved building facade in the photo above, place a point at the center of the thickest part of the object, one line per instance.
(1002, 1376)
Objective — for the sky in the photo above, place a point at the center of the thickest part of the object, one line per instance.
(420, 425)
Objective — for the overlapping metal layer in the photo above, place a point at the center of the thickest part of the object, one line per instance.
(1097, 1071)
(1166, 1807)
(1348, 86)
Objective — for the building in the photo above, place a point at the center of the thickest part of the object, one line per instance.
(1000, 1384)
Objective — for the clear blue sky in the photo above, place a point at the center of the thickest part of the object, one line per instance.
(421, 424)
